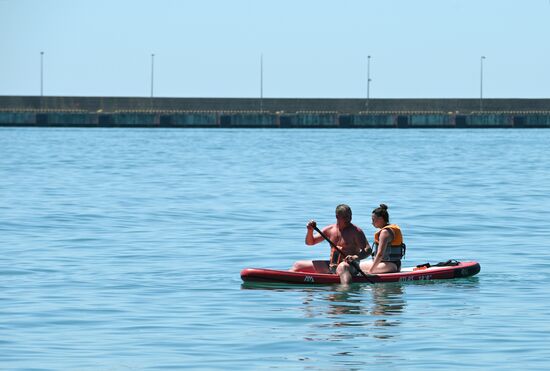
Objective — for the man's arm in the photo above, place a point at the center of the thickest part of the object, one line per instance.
(366, 250)
(312, 239)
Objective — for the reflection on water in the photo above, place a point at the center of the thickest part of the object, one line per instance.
(342, 320)
(387, 299)
(376, 300)
(360, 308)
(355, 300)
(363, 306)
(344, 312)
(353, 313)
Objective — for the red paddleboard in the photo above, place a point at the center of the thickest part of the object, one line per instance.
(462, 269)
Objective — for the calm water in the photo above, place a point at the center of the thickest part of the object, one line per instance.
(121, 249)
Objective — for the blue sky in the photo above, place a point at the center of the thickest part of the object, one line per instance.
(311, 48)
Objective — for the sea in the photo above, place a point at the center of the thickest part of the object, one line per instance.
(121, 249)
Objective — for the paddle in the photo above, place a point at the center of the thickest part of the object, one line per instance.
(353, 262)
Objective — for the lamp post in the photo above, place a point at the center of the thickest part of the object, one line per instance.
(368, 83)
(41, 74)
(481, 84)
(152, 73)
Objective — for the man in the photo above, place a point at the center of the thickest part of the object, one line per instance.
(347, 236)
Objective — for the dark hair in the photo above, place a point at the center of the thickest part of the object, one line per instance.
(382, 211)
(344, 211)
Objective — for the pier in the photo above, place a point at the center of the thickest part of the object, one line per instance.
(36, 111)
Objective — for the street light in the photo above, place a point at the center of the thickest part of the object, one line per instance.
(481, 84)
(41, 74)
(368, 82)
(152, 73)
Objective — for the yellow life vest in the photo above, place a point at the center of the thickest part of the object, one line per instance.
(395, 249)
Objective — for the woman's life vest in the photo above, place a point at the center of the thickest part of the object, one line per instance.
(395, 250)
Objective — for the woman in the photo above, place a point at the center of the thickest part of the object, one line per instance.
(388, 244)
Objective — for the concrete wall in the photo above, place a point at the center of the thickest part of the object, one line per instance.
(309, 120)
(490, 121)
(431, 121)
(273, 105)
(250, 120)
(270, 120)
(17, 118)
(368, 121)
(66, 119)
(197, 120)
(531, 121)
(136, 119)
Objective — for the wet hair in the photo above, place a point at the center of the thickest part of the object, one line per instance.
(382, 211)
(344, 211)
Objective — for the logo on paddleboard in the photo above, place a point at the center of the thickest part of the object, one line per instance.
(309, 279)
(416, 278)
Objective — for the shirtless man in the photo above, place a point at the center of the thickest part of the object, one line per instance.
(347, 236)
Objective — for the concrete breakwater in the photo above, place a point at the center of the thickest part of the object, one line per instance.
(274, 120)
(272, 113)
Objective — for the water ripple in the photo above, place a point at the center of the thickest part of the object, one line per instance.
(122, 248)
